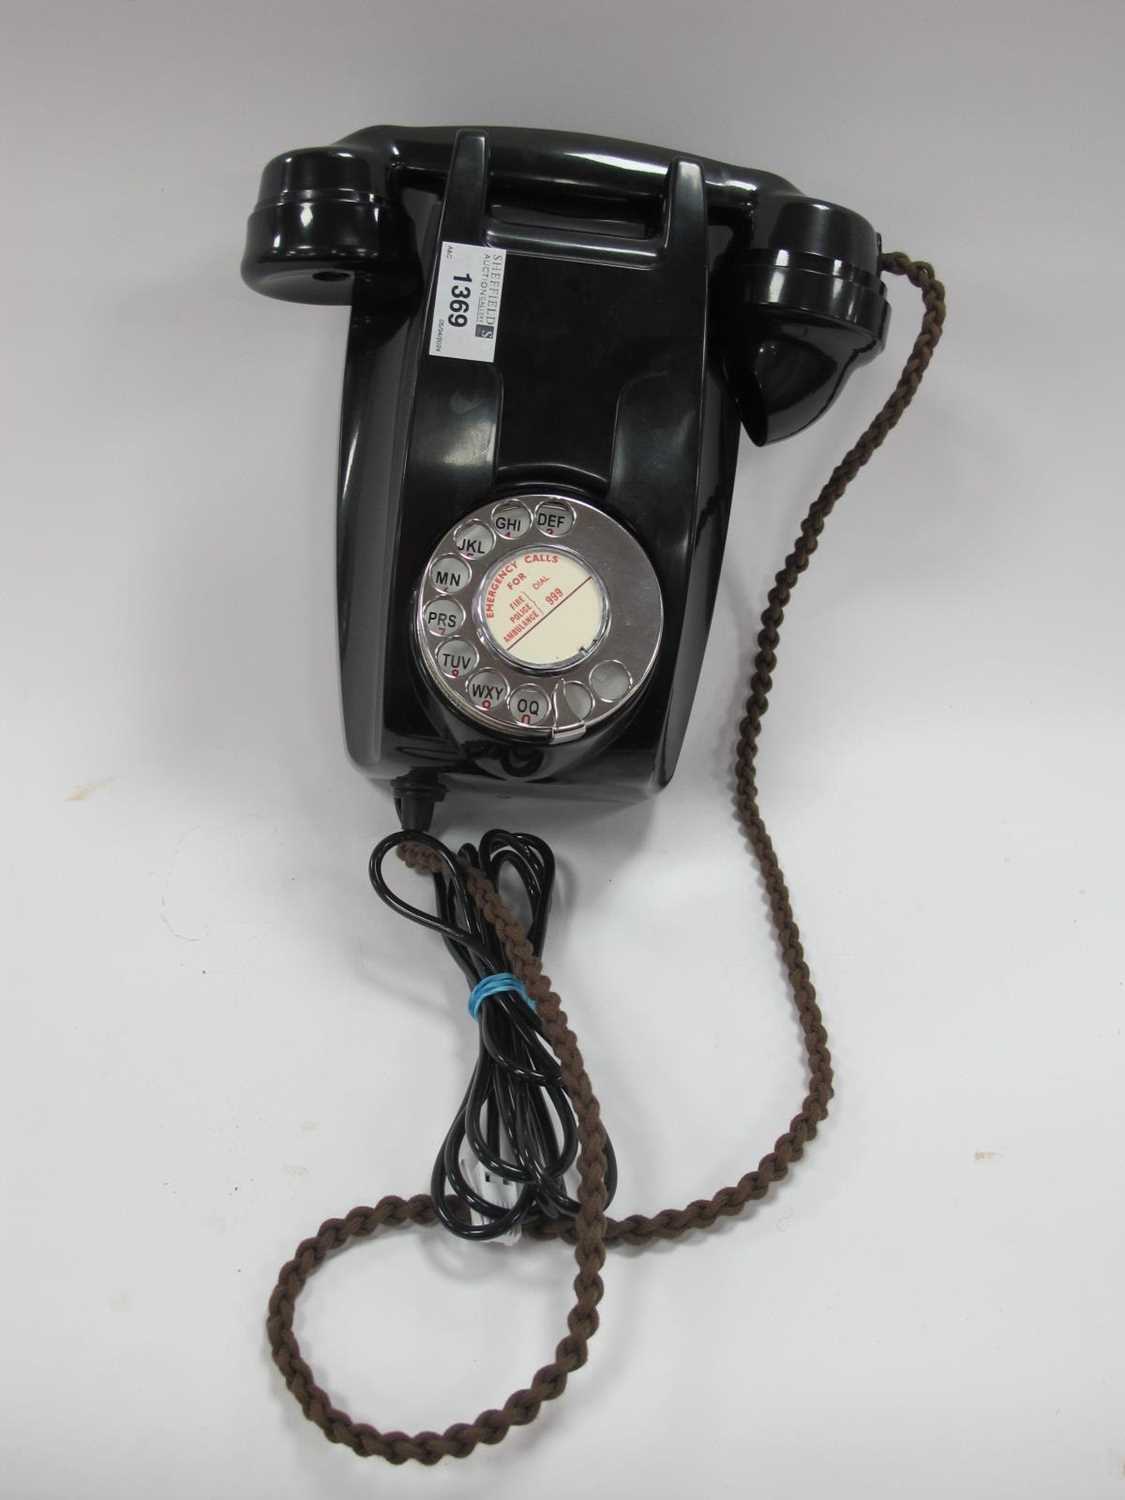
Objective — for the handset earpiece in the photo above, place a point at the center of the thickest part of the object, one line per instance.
(798, 305)
(323, 219)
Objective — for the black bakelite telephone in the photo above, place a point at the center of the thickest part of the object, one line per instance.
(553, 340)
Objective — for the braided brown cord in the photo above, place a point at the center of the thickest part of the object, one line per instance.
(593, 1230)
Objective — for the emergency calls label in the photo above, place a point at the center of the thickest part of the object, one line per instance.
(470, 285)
(543, 608)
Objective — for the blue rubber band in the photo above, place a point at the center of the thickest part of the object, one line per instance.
(497, 984)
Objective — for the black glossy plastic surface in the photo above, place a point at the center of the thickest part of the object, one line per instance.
(645, 293)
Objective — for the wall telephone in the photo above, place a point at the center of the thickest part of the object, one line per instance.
(554, 341)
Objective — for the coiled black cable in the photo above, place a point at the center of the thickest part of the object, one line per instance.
(515, 1118)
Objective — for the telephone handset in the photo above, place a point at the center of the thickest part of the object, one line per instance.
(552, 337)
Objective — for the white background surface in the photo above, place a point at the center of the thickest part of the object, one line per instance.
(215, 1037)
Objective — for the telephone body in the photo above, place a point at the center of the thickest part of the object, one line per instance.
(554, 340)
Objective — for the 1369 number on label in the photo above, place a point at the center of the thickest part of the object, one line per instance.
(459, 302)
(470, 284)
